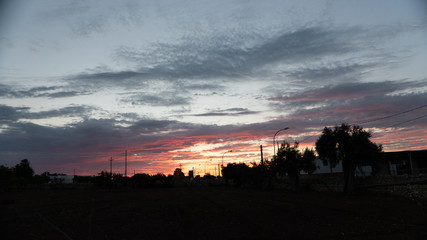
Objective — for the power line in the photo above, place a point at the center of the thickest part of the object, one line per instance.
(410, 120)
(389, 116)
(305, 139)
(393, 115)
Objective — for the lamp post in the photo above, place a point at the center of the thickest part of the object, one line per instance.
(222, 162)
(274, 138)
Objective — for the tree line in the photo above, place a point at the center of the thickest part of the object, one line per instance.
(20, 175)
(289, 161)
(349, 145)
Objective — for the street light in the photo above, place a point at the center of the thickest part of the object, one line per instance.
(222, 162)
(274, 138)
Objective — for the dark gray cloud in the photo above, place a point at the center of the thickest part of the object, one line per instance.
(83, 140)
(348, 91)
(152, 125)
(71, 111)
(16, 113)
(49, 92)
(199, 86)
(8, 113)
(227, 112)
(340, 71)
(356, 110)
(107, 77)
(160, 99)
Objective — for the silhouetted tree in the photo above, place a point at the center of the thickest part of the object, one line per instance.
(83, 179)
(238, 173)
(103, 178)
(208, 176)
(141, 180)
(308, 158)
(326, 147)
(42, 178)
(23, 172)
(119, 180)
(290, 161)
(352, 146)
(161, 180)
(7, 177)
(260, 174)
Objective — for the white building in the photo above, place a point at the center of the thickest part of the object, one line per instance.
(60, 179)
(325, 168)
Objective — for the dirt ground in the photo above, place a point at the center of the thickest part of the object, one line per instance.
(208, 213)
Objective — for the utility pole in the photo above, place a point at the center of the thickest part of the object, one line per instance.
(126, 162)
(219, 170)
(262, 157)
(111, 167)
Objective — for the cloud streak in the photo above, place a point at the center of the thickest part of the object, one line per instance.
(17, 113)
(37, 92)
(227, 112)
(225, 57)
(350, 91)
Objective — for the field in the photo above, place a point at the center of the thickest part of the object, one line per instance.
(208, 213)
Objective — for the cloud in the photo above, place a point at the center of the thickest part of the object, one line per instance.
(167, 99)
(167, 142)
(17, 113)
(91, 138)
(331, 108)
(8, 113)
(227, 112)
(332, 71)
(348, 91)
(49, 92)
(93, 17)
(227, 56)
(183, 86)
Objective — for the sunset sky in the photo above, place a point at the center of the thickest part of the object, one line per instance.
(183, 82)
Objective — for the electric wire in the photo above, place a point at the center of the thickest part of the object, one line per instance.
(382, 118)
(410, 120)
(393, 115)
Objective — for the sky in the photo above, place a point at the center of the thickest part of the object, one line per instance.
(181, 83)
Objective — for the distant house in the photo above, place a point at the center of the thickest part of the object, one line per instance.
(322, 168)
(390, 163)
(404, 162)
(60, 178)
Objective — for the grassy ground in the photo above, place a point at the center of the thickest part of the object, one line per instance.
(208, 213)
